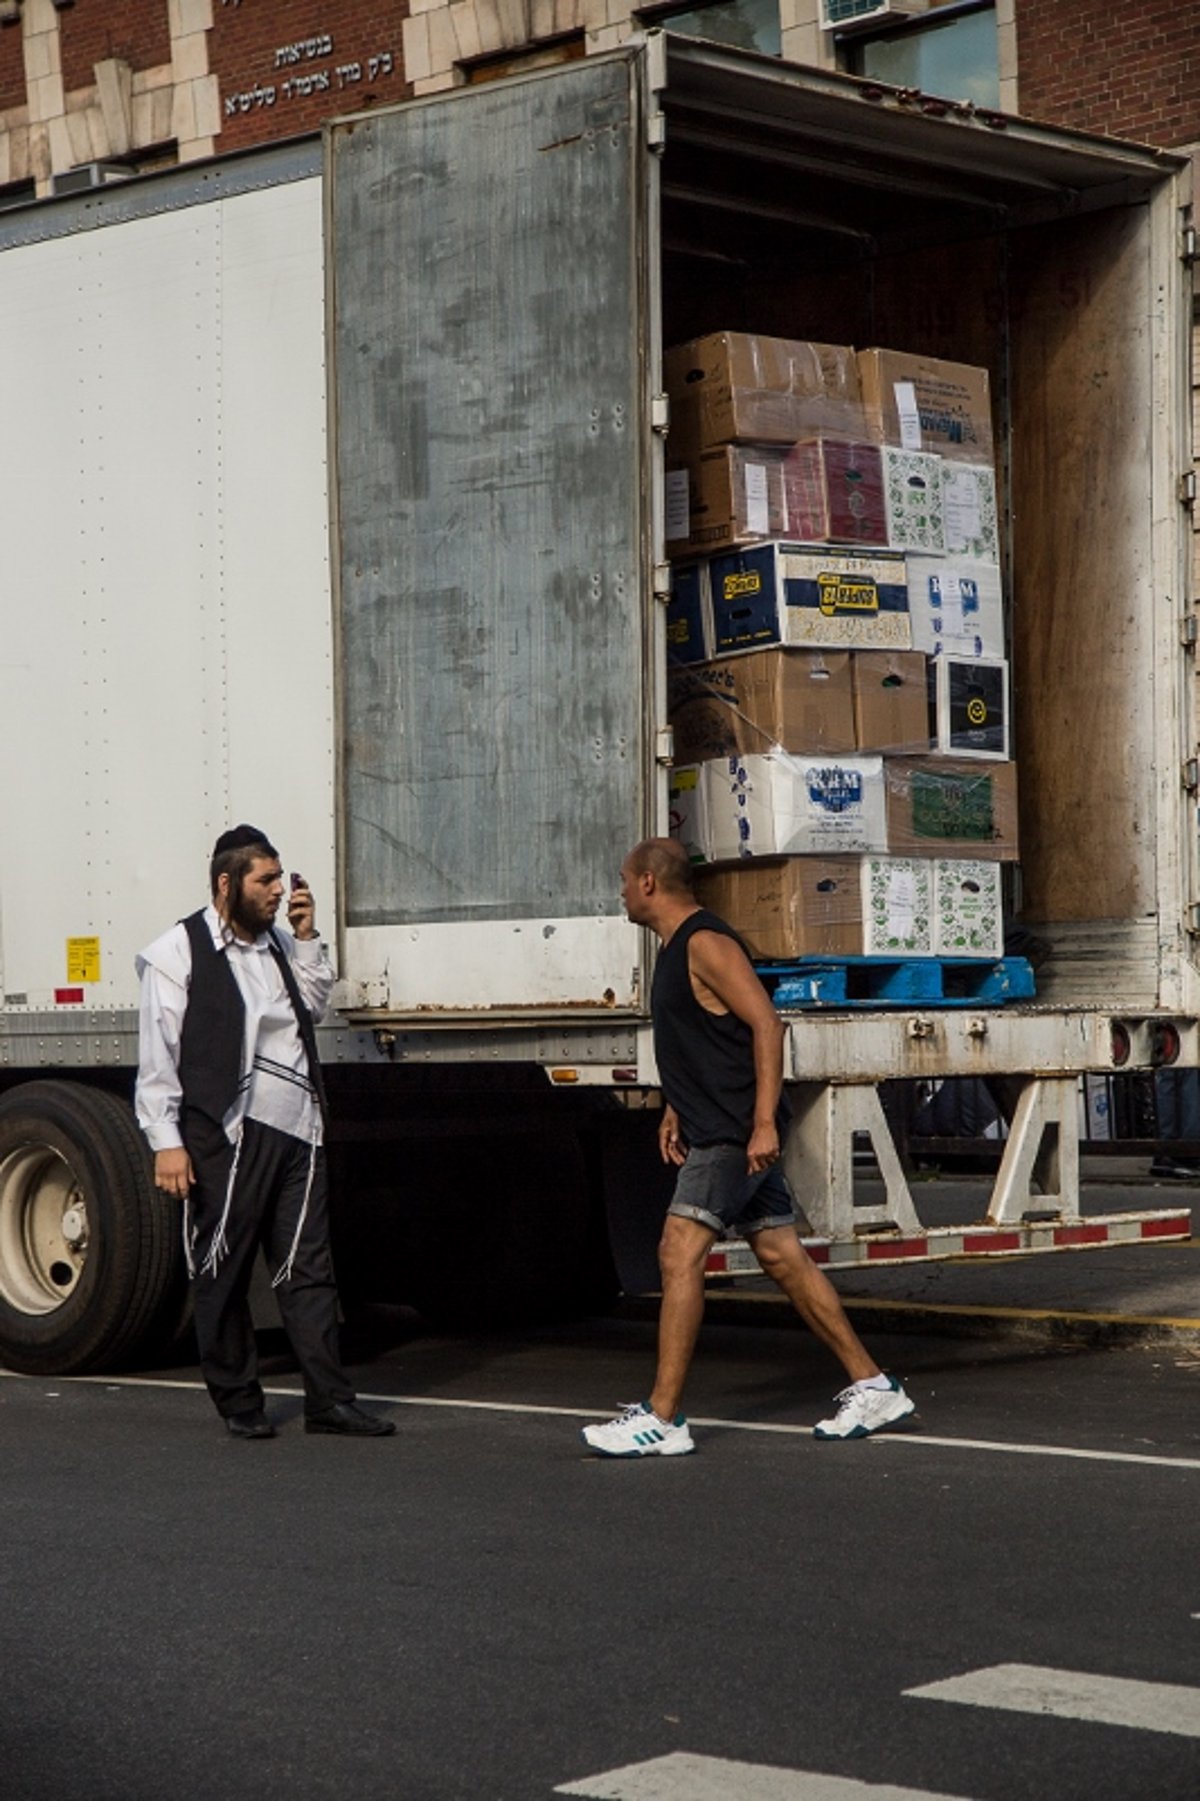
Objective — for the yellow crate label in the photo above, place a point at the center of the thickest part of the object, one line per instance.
(736, 587)
(83, 959)
(847, 593)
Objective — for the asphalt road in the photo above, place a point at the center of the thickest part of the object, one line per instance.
(474, 1609)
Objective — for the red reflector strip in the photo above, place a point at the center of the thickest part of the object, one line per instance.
(896, 1247)
(1166, 1228)
(992, 1241)
(1080, 1234)
(818, 1252)
(68, 997)
(716, 1264)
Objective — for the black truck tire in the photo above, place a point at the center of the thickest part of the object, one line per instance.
(90, 1251)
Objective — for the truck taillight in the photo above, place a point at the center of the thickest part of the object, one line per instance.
(1165, 1042)
(1122, 1044)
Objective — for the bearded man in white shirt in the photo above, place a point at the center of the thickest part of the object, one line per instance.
(230, 1097)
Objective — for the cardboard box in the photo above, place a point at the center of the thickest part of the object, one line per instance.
(937, 807)
(833, 492)
(971, 707)
(956, 605)
(913, 488)
(897, 906)
(923, 403)
(689, 614)
(785, 593)
(781, 805)
(730, 495)
(968, 910)
(738, 388)
(797, 700)
(891, 702)
(969, 511)
(793, 907)
(687, 802)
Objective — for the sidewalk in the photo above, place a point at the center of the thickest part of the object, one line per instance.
(1140, 1292)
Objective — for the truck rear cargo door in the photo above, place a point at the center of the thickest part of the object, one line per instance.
(487, 309)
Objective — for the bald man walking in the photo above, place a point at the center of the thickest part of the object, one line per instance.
(719, 1046)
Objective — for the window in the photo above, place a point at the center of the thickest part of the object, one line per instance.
(950, 51)
(746, 24)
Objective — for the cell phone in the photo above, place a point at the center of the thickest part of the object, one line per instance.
(298, 881)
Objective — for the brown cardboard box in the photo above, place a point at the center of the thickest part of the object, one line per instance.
(922, 403)
(799, 699)
(790, 906)
(736, 388)
(943, 807)
(730, 495)
(891, 701)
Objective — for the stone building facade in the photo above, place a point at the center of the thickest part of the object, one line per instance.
(144, 83)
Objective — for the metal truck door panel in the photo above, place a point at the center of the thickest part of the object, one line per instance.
(485, 311)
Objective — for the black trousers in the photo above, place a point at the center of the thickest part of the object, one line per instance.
(269, 1187)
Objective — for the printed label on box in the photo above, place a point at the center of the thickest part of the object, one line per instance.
(679, 521)
(758, 510)
(908, 414)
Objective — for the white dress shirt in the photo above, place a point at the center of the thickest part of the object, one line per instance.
(279, 1090)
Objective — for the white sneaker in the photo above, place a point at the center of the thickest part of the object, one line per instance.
(861, 1411)
(637, 1432)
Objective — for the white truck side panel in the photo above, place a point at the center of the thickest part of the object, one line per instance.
(165, 662)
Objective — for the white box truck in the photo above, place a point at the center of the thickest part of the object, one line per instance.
(332, 485)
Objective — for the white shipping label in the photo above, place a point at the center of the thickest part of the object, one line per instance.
(910, 418)
(758, 516)
(679, 522)
(901, 904)
(964, 519)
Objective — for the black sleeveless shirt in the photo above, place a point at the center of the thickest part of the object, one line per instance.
(705, 1060)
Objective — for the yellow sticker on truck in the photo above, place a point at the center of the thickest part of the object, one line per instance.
(83, 959)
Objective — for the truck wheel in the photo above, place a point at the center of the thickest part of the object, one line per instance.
(89, 1249)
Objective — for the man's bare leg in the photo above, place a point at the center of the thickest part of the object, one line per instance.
(814, 1297)
(682, 1253)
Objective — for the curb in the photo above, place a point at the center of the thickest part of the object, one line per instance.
(1048, 1326)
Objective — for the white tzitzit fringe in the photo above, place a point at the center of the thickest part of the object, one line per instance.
(220, 1247)
(285, 1274)
(189, 1237)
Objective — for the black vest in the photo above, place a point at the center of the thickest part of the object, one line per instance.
(705, 1060)
(210, 1045)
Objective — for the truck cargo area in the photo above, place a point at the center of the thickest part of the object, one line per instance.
(828, 209)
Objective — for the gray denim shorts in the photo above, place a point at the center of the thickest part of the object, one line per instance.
(713, 1188)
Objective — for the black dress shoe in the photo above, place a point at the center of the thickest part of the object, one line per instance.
(349, 1421)
(254, 1424)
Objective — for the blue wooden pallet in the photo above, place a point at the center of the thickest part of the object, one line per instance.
(813, 982)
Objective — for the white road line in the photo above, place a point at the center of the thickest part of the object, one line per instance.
(721, 1425)
(1074, 1695)
(682, 1776)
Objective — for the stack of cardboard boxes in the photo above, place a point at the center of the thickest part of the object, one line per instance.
(839, 692)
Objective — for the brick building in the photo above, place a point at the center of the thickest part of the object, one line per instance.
(144, 83)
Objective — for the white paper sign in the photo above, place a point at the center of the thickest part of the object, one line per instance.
(960, 497)
(758, 516)
(679, 522)
(901, 904)
(910, 418)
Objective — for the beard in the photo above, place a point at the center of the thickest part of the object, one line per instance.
(245, 914)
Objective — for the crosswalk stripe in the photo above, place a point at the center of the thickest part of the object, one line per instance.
(684, 1776)
(1073, 1695)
